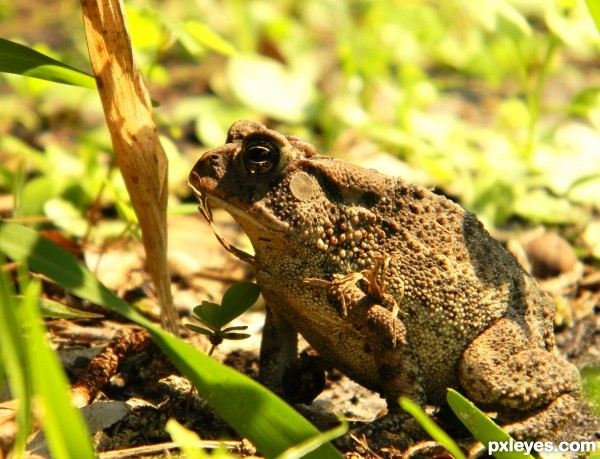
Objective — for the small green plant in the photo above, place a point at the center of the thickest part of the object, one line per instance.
(591, 386)
(191, 444)
(237, 299)
(481, 426)
(431, 427)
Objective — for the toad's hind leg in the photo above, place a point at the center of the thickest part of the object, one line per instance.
(502, 370)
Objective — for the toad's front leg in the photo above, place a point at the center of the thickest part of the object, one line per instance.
(278, 350)
(398, 371)
(362, 301)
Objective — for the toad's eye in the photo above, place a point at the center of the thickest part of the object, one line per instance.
(261, 154)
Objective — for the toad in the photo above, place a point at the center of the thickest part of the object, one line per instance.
(399, 288)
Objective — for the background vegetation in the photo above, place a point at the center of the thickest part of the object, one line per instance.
(495, 102)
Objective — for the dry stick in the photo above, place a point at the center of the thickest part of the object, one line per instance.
(242, 446)
(105, 365)
(139, 154)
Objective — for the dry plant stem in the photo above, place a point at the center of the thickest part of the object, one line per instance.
(241, 446)
(104, 366)
(138, 152)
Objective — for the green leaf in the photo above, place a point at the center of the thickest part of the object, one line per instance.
(14, 361)
(235, 336)
(21, 60)
(191, 444)
(66, 216)
(197, 329)
(591, 386)
(253, 411)
(539, 205)
(594, 7)
(207, 38)
(236, 300)
(236, 328)
(248, 407)
(24, 245)
(431, 427)
(270, 88)
(209, 314)
(301, 450)
(52, 386)
(480, 425)
(591, 238)
(54, 310)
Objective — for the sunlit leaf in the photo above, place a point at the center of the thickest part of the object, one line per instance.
(431, 427)
(201, 330)
(594, 7)
(542, 207)
(207, 38)
(52, 386)
(481, 426)
(270, 88)
(591, 238)
(236, 328)
(512, 15)
(65, 215)
(21, 60)
(209, 314)
(13, 358)
(236, 300)
(190, 443)
(55, 310)
(586, 191)
(304, 448)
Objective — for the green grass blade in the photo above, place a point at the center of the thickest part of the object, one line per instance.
(594, 9)
(190, 443)
(21, 60)
(25, 245)
(254, 412)
(51, 309)
(591, 386)
(63, 425)
(431, 427)
(13, 358)
(480, 425)
(304, 448)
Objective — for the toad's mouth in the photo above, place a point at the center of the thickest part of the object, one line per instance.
(245, 218)
(205, 210)
(252, 217)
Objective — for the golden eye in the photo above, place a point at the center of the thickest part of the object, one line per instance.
(261, 154)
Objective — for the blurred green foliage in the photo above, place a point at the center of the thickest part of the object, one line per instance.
(495, 102)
